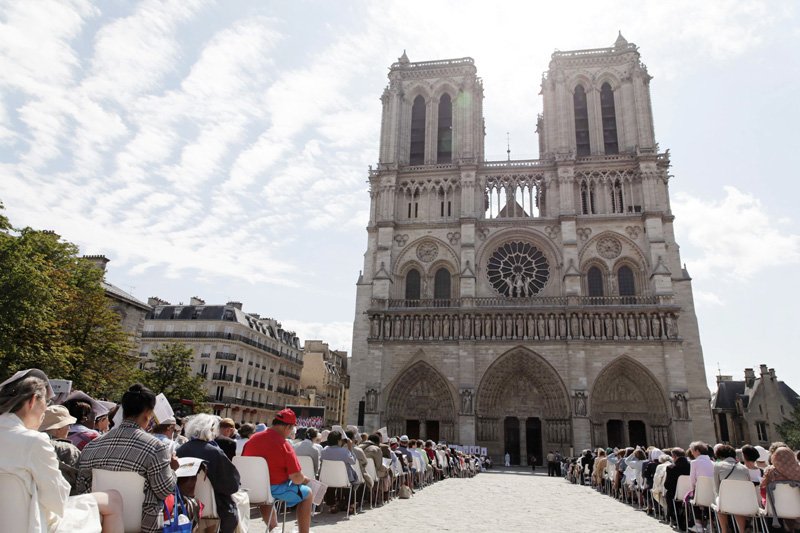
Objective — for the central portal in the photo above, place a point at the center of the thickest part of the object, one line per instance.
(522, 408)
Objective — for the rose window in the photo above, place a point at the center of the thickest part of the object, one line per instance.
(518, 270)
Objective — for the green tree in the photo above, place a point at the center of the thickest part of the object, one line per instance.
(790, 430)
(54, 314)
(169, 370)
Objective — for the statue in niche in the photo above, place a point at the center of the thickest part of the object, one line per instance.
(680, 406)
(631, 327)
(376, 324)
(466, 401)
(580, 403)
(669, 324)
(397, 330)
(620, 323)
(509, 333)
(487, 326)
(551, 326)
(574, 326)
(609, 324)
(387, 328)
(643, 326)
(446, 326)
(562, 326)
(426, 326)
(416, 326)
(520, 323)
(371, 402)
(540, 326)
(598, 327)
(656, 325)
(478, 328)
(466, 330)
(587, 326)
(498, 326)
(530, 326)
(437, 327)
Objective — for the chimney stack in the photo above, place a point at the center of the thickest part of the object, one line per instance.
(749, 377)
(154, 301)
(98, 261)
(237, 305)
(194, 300)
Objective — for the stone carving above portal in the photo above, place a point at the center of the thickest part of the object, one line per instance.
(401, 240)
(552, 231)
(609, 247)
(454, 237)
(633, 231)
(427, 251)
(482, 233)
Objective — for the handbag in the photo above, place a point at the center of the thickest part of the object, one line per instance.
(178, 521)
(405, 492)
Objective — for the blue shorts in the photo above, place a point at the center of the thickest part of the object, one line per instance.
(290, 493)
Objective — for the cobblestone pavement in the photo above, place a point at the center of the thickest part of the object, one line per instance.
(507, 499)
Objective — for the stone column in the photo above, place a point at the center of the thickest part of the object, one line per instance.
(581, 433)
(523, 442)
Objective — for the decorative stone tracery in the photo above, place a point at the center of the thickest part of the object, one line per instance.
(421, 393)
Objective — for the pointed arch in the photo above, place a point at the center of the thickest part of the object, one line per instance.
(522, 381)
(608, 115)
(420, 393)
(444, 135)
(417, 136)
(624, 396)
(580, 108)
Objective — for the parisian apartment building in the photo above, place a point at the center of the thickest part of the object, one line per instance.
(325, 380)
(251, 365)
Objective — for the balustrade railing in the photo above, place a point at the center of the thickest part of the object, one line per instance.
(522, 302)
(222, 377)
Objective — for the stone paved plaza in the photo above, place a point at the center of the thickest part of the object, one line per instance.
(509, 499)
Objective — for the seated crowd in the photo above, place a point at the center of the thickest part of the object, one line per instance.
(683, 487)
(52, 452)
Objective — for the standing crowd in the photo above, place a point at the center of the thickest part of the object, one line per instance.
(700, 488)
(58, 458)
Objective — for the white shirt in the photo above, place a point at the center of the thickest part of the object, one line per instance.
(702, 466)
(30, 456)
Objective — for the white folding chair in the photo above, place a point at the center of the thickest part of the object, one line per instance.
(739, 497)
(681, 490)
(703, 495)
(783, 503)
(373, 473)
(15, 503)
(307, 466)
(254, 478)
(362, 482)
(130, 485)
(334, 475)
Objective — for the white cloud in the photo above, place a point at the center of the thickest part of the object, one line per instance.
(338, 335)
(735, 237)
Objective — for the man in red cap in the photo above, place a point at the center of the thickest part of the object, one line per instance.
(287, 481)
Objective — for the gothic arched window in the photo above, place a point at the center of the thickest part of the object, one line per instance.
(617, 204)
(412, 284)
(441, 286)
(594, 279)
(609, 115)
(417, 153)
(581, 121)
(625, 281)
(444, 139)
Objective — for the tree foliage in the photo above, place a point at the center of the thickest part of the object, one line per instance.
(169, 370)
(790, 430)
(54, 314)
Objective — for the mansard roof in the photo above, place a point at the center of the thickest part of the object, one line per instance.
(729, 391)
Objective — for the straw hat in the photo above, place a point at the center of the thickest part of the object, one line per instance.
(56, 417)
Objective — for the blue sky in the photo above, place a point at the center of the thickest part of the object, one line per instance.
(220, 149)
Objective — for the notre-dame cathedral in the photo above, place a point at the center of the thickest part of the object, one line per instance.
(526, 305)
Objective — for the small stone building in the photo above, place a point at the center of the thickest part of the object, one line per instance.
(749, 411)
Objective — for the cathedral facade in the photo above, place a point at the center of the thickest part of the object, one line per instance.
(526, 305)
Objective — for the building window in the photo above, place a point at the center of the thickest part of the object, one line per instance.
(444, 140)
(413, 284)
(587, 199)
(609, 119)
(441, 287)
(617, 205)
(220, 392)
(417, 153)
(594, 279)
(581, 121)
(627, 286)
(761, 430)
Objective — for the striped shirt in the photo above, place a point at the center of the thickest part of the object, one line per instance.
(127, 448)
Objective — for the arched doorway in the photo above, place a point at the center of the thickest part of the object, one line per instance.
(628, 407)
(420, 405)
(522, 408)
